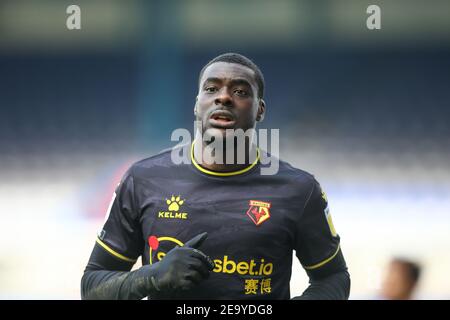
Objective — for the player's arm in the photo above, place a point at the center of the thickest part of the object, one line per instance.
(107, 277)
(330, 283)
(319, 251)
(120, 243)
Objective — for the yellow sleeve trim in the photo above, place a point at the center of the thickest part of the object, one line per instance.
(114, 253)
(223, 174)
(318, 265)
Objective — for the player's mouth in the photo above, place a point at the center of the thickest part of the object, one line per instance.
(222, 119)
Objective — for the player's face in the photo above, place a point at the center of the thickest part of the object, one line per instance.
(228, 99)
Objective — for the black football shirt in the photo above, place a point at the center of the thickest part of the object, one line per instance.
(254, 222)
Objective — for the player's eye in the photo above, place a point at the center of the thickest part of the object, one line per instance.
(241, 92)
(210, 89)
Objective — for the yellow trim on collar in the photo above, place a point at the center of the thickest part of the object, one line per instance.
(318, 265)
(114, 253)
(223, 174)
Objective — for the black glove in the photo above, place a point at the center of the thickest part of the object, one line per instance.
(181, 269)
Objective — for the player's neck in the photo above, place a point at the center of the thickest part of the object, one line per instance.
(208, 159)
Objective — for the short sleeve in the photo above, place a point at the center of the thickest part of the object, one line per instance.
(317, 242)
(121, 235)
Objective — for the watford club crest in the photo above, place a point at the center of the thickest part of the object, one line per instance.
(259, 211)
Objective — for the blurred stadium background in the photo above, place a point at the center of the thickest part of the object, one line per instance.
(367, 112)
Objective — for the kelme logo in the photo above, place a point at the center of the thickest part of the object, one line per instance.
(173, 209)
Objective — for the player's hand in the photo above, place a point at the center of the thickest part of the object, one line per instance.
(182, 268)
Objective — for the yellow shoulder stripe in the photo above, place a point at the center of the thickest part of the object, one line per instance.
(223, 174)
(114, 253)
(318, 265)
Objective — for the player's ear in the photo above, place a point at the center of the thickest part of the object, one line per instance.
(261, 110)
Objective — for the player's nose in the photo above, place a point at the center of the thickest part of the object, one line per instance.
(224, 98)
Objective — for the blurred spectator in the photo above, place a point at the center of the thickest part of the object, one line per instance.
(401, 280)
